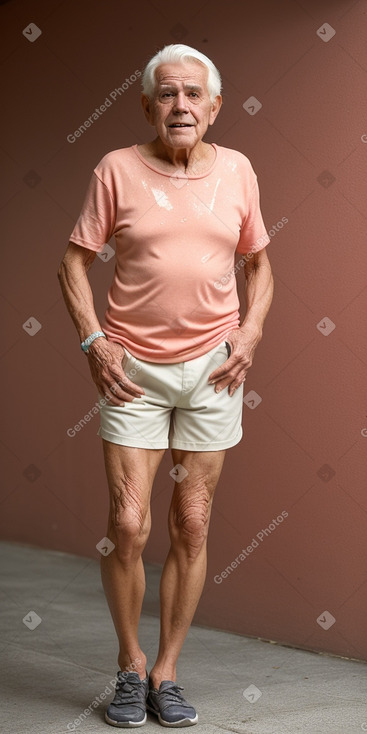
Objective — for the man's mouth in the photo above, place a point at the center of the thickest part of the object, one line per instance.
(180, 124)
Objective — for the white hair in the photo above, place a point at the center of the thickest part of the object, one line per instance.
(178, 53)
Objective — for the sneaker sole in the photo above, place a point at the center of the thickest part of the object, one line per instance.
(126, 724)
(173, 724)
(182, 722)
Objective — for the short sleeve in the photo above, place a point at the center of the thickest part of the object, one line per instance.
(253, 235)
(96, 222)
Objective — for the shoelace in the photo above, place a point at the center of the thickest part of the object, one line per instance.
(172, 695)
(126, 692)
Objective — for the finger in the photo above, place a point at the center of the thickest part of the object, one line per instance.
(108, 394)
(120, 390)
(111, 399)
(115, 394)
(224, 382)
(220, 372)
(126, 385)
(235, 385)
(233, 382)
(224, 370)
(130, 388)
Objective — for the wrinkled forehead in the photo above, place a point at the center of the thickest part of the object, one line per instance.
(184, 73)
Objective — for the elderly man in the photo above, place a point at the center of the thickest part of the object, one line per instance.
(171, 356)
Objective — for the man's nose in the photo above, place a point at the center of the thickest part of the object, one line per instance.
(180, 104)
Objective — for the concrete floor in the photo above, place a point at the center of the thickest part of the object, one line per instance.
(52, 673)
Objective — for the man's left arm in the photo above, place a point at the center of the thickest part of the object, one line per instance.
(243, 341)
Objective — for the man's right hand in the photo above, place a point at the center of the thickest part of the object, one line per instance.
(105, 362)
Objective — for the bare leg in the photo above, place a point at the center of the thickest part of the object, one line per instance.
(185, 568)
(130, 474)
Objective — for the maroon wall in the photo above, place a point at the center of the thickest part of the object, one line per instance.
(303, 452)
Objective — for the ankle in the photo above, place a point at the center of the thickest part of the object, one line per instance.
(156, 675)
(134, 664)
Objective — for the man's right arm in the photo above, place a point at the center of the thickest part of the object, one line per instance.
(104, 357)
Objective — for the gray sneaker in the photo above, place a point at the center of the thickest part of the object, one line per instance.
(170, 706)
(128, 708)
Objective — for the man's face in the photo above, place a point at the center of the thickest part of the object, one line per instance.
(181, 110)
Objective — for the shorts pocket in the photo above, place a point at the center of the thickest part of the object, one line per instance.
(131, 365)
(125, 359)
(229, 349)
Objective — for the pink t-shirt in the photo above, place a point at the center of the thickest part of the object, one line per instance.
(173, 296)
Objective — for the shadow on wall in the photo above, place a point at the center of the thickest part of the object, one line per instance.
(292, 73)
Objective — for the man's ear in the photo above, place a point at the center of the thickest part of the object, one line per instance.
(216, 105)
(147, 106)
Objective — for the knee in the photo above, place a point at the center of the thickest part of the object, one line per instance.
(189, 521)
(129, 517)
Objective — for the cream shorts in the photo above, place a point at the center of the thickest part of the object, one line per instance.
(179, 410)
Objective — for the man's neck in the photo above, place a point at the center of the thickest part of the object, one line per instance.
(188, 160)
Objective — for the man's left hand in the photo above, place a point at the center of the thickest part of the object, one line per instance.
(233, 371)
